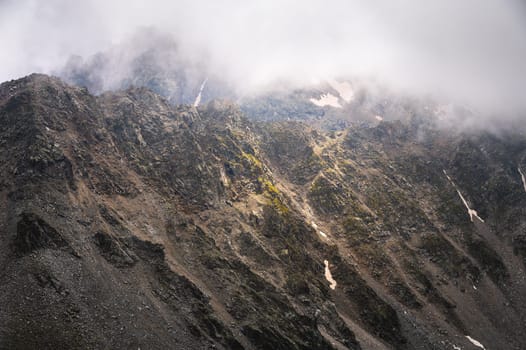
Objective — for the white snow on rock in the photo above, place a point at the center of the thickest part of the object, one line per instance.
(475, 342)
(198, 98)
(447, 176)
(523, 179)
(224, 178)
(379, 118)
(328, 275)
(321, 233)
(327, 99)
(344, 90)
(471, 212)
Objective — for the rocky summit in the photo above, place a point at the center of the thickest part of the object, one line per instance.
(129, 222)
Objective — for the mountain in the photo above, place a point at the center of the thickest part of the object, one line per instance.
(156, 61)
(129, 222)
(149, 59)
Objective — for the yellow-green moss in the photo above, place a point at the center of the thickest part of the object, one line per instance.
(268, 186)
(278, 204)
(271, 192)
(252, 159)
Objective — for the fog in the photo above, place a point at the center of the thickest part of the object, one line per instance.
(469, 52)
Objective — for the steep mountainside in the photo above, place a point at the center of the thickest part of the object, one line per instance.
(130, 223)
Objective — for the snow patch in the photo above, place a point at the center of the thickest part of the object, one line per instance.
(326, 100)
(344, 90)
(456, 347)
(447, 176)
(523, 179)
(475, 342)
(379, 118)
(224, 178)
(198, 98)
(328, 275)
(471, 212)
(321, 233)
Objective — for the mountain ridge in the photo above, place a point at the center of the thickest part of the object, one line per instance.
(131, 222)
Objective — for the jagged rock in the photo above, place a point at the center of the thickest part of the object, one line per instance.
(209, 228)
(114, 250)
(33, 233)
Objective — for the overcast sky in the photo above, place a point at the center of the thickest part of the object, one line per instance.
(469, 51)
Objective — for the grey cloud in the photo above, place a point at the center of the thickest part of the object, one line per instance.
(469, 52)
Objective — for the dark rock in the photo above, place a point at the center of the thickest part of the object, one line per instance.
(33, 233)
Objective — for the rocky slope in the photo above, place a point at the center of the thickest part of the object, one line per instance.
(131, 223)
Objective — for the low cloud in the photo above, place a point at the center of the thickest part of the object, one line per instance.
(467, 52)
